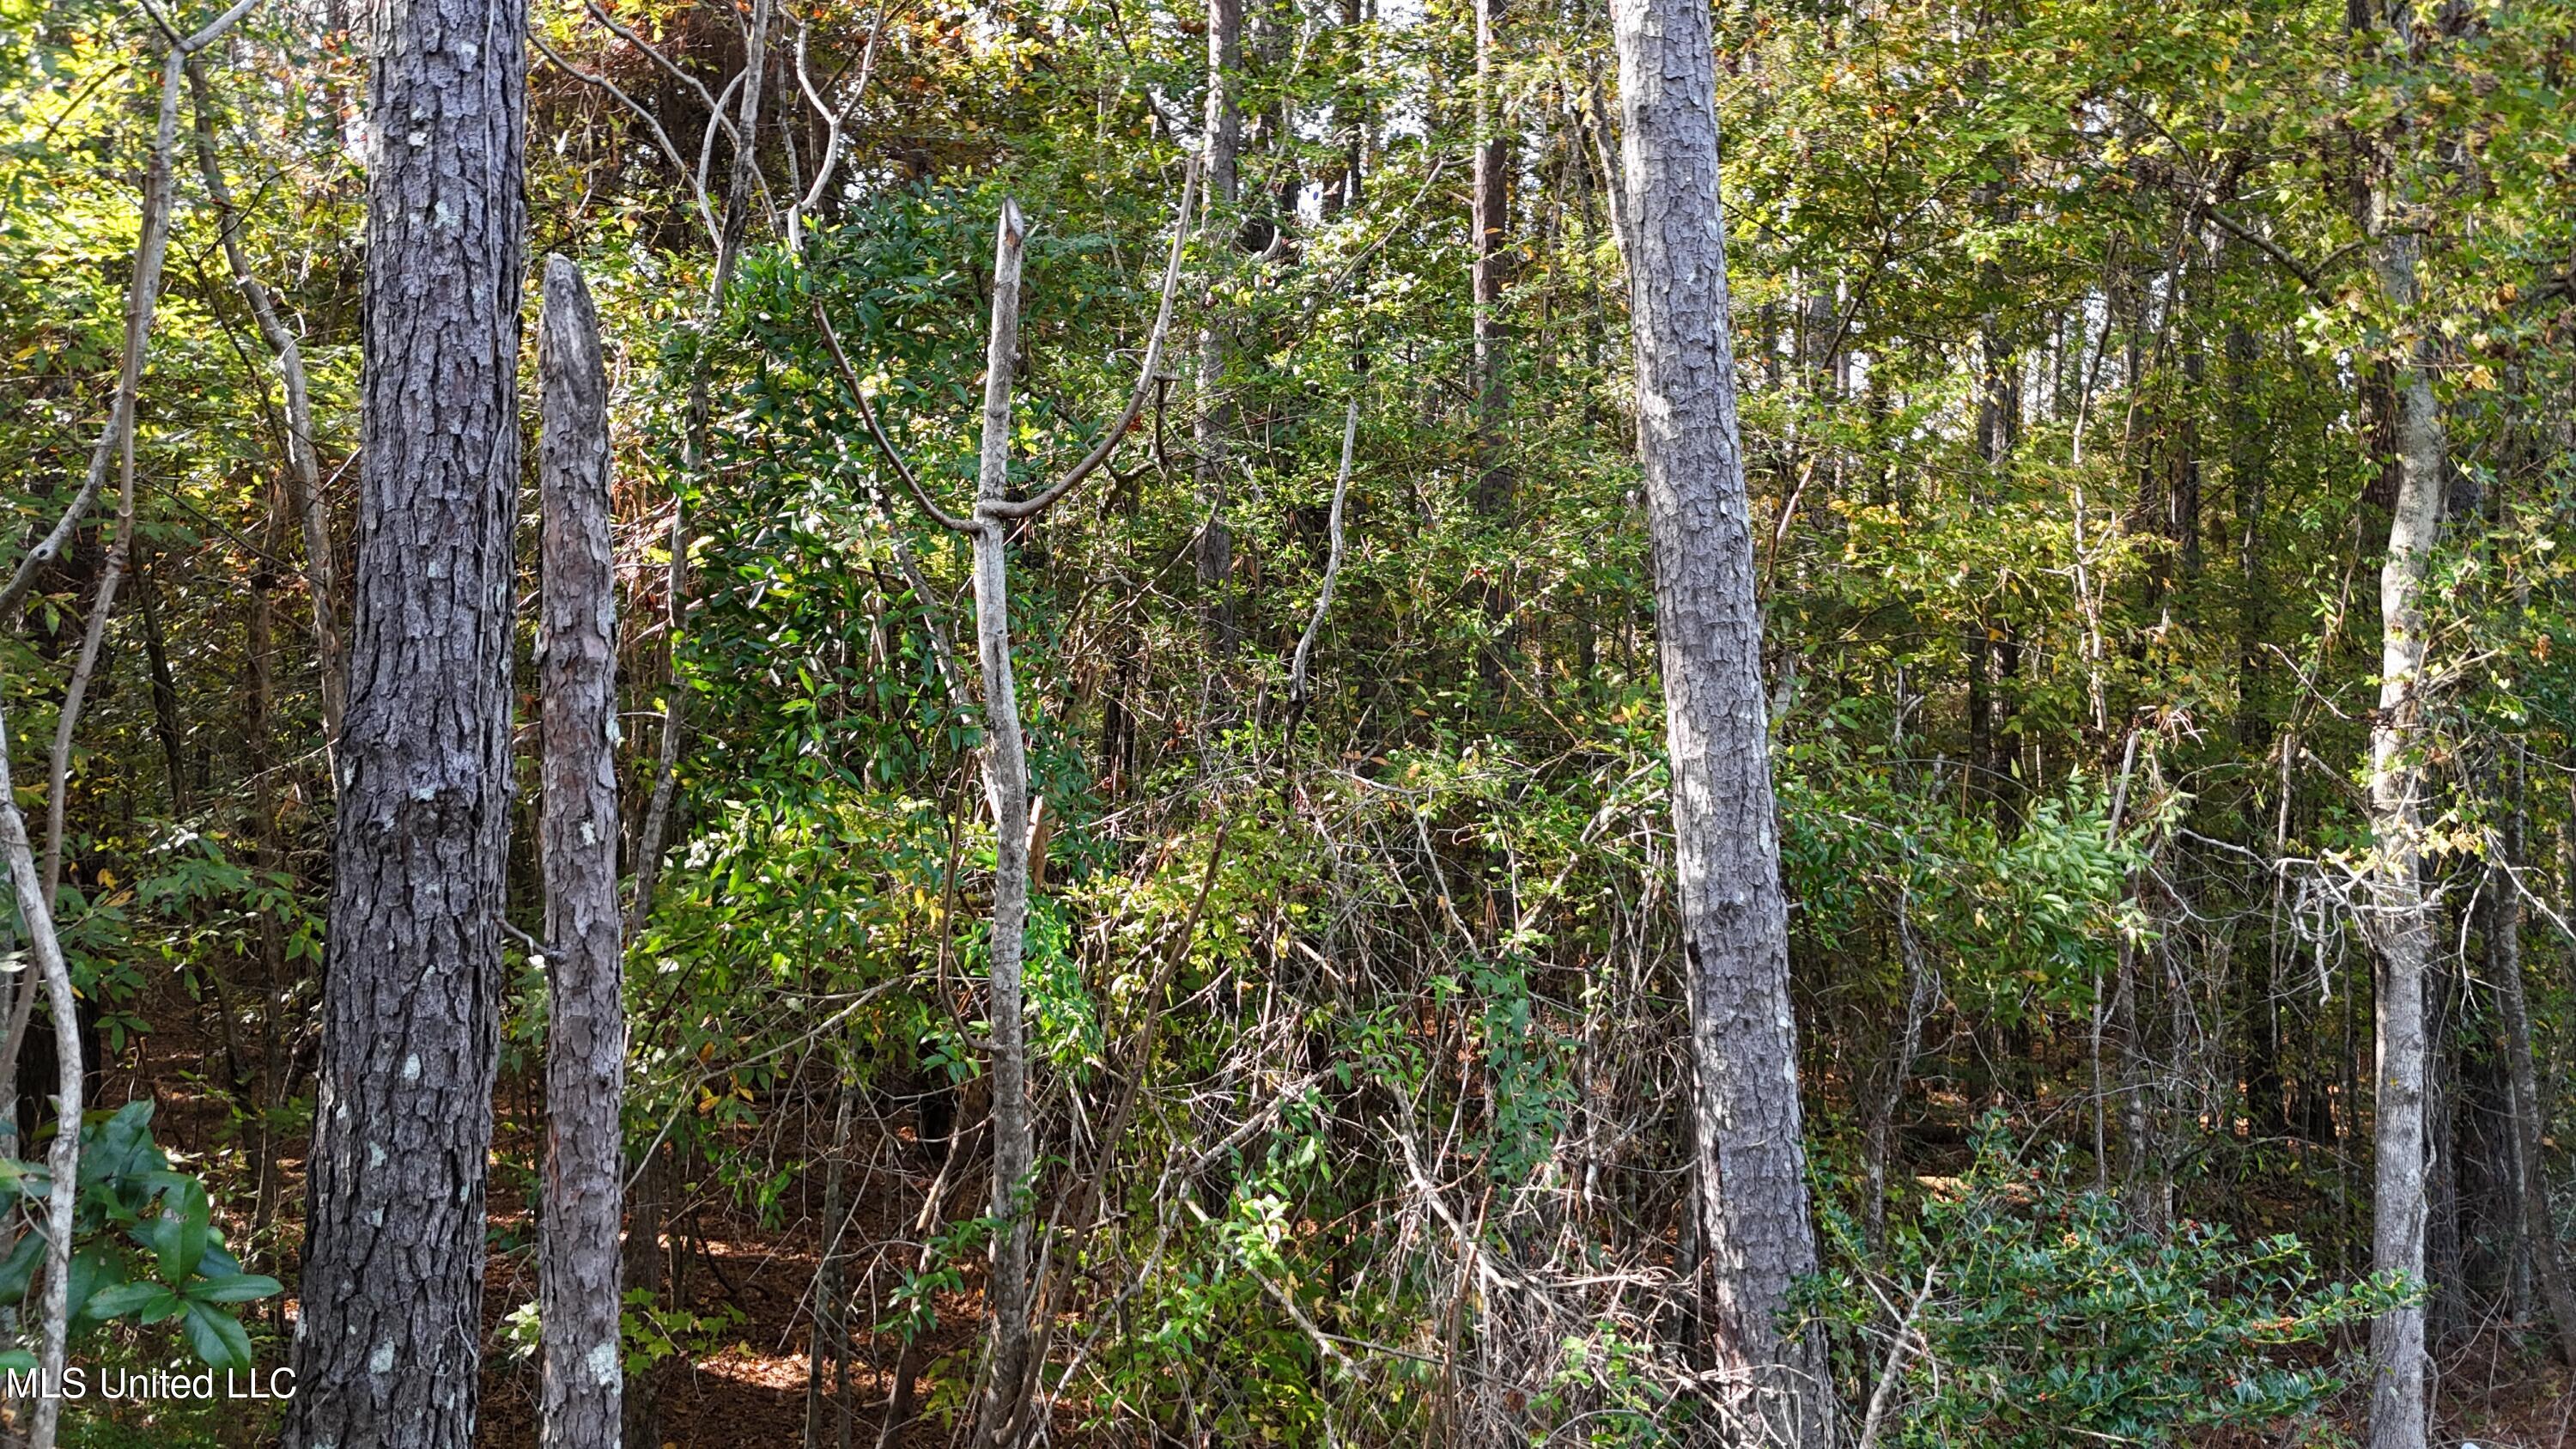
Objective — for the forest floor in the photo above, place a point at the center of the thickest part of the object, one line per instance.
(741, 1384)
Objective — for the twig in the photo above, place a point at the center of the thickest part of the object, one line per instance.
(697, 177)
(1297, 685)
(1884, 1396)
(303, 467)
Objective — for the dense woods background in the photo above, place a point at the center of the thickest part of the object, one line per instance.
(2078, 391)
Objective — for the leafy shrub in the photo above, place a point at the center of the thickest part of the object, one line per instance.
(145, 1249)
(2052, 1319)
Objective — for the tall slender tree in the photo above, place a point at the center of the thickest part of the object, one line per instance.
(2395, 903)
(1752, 1191)
(1210, 432)
(1018, 851)
(585, 1018)
(1491, 219)
(386, 1350)
(2529, 1189)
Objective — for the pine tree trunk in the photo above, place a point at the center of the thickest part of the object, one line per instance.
(1752, 1159)
(385, 1353)
(585, 1015)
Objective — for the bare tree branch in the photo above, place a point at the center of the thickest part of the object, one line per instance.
(1298, 689)
(1108, 445)
(304, 471)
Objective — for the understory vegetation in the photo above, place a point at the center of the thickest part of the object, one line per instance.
(2076, 399)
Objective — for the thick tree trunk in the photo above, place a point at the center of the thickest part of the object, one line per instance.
(386, 1350)
(1006, 787)
(585, 1016)
(1753, 1194)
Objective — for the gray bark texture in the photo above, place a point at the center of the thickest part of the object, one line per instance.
(1006, 786)
(53, 1311)
(1300, 689)
(385, 1350)
(585, 1016)
(1753, 1193)
(2400, 917)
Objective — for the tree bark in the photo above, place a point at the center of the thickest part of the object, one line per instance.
(53, 1312)
(386, 1350)
(1752, 1158)
(585, 1016)
(1006, 787)
(2400, 915)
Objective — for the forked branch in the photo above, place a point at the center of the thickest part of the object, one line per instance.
(1091, 462)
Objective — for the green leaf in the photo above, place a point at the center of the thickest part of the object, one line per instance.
(125, 1299)
(179, 1237)
(234, 1288)
(19, 1268)
(92, 1270)
(23, 1179)
(196, 1221)
(217, 1338)
(123, 1145)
